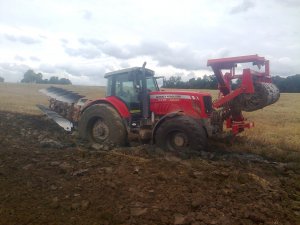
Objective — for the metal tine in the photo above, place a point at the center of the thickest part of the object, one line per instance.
(47, 92)
(69, 93)
(73, 97)
(53, 92)
(70, 97)
(66, 124)
(44, 91)
(62, 94)
(57, 92)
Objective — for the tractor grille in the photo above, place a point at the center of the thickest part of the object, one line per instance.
(208, 104)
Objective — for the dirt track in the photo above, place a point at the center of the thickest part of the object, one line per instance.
(49, 177)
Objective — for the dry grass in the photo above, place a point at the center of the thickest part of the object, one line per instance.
(277, 129)
(24, 97)
(276, 133)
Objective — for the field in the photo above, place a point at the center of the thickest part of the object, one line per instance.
(276, 133)
(48, 176)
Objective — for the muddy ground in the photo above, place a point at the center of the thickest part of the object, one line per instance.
(50, 177)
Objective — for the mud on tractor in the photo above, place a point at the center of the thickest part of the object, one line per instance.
(173, 120)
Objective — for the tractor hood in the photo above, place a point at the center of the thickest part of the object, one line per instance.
(164, 102)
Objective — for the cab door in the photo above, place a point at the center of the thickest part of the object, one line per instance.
(126, 88)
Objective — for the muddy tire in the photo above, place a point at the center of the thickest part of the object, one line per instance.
(181, 134)
(102, 124)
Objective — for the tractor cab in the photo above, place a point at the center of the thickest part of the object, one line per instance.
(132, 86)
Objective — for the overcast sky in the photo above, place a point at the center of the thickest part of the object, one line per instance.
(81, 40)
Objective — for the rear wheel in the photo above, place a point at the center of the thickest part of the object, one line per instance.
(181, 134)
(102, 124)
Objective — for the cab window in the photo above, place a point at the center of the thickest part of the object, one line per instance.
(126, 90)
(151, 84)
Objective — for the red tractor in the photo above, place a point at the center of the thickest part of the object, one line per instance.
(173, 120)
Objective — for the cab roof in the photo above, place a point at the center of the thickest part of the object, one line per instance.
(129, 71)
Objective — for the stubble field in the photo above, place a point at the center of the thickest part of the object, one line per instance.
(276, 133)
(48, 176)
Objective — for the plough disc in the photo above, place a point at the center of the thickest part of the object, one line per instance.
(64, 123)
(62, 94)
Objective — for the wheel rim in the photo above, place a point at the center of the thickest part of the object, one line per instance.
(100, 131)
(177, 140)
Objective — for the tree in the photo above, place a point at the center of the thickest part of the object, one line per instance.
(173, 82)
(1, 79)
(207, 82)
(53, 80)
(64, 81)
(290, 84)
(31, 77)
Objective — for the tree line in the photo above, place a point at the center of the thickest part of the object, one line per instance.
(31, 77)
(290, 84)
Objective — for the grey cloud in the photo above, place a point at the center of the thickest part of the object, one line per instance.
(88, 53)
(19, 58)
(165, 55)
(75, 69)
(28, 40)
(93, 41)
(64, 41)
(12, 71)
(105, 47)
(289, 3)
(86, 70)
(22, 39)
(284, 66)
(179, 57)
(47, 68)
(124, 64)
(94, 48)
(33, 58)
(244, 6)
(151, 48)
(117, 51)
(42, 36)
(86, 14)
(10, 37)
(94, 72)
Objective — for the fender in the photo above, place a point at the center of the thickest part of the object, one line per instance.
(116, 103)
(162, 119)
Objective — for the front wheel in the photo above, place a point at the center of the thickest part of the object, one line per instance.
(100, 123)
(181, 134)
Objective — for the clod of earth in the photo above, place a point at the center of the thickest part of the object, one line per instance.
(66, 186)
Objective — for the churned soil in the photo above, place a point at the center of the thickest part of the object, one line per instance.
(48, 176)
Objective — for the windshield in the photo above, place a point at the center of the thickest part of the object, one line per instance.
(151, 84)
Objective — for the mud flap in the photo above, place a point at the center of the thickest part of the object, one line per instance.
(64, 123)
